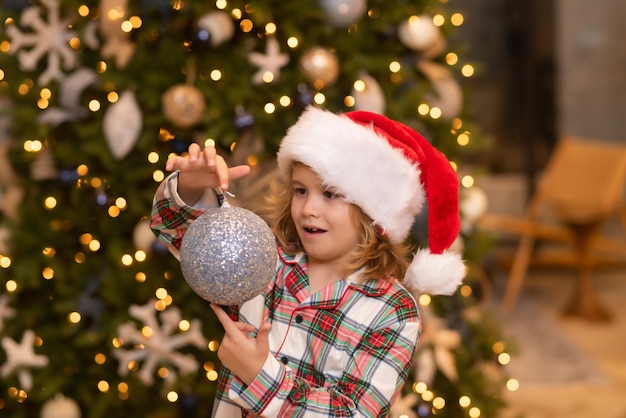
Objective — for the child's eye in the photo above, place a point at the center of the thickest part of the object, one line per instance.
(299, 191)
(330, 195)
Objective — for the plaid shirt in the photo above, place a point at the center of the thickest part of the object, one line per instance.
(345, 351)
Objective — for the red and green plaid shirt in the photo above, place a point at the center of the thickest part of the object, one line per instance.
(345, 351)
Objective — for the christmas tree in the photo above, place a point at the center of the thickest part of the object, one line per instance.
(95, 317)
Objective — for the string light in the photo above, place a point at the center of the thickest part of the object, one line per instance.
(5, 262)
(34, 145)
(504, 358)
(269, 108)
(423, 109)
(160, 293)
(474, 412)
(467, 181)
(463, 139)
(395, 66)
(99, 358)
(158, 176)
(73, 317)
(94, 105)
(467, 70)
(451, 58)
(512, 385)
(319, 98)
(50, 202)
(47, 273)
(103, 386)
(140, 256)
(11, 285)
(435, 112)
(184, 325)
(457, 19)
(292, 42)
(83, 11)
(216, 75)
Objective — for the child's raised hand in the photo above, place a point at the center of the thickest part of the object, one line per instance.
(242, 354)
(203, 169)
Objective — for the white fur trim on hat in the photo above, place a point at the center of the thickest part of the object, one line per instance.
(346, 155)
(427, 271)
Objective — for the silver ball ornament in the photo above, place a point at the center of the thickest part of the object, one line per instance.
(343, 13)
(419, 32)
(228, 255)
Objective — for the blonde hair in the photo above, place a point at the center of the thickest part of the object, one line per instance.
(376, 255)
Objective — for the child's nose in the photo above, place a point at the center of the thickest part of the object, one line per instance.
(311, 206)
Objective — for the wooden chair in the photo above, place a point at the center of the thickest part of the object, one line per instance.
(581, 188)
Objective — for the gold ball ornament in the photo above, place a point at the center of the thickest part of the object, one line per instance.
(320, 66)
(183, 105)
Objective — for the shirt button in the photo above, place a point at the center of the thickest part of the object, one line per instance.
(299, 319)
(284, 359)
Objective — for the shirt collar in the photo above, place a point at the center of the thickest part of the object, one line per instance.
(369, 287)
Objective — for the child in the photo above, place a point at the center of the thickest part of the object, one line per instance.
(335, 332)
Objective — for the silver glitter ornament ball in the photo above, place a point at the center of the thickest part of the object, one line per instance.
(228, 255)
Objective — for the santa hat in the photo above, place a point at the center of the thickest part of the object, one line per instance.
(391, 172)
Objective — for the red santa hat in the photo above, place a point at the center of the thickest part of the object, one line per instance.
(391, 172)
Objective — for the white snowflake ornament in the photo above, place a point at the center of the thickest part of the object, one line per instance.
(270, 62)
(157, 343)
(49, 37)
(21, 358)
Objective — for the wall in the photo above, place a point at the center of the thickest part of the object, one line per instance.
(545, 68)
(591, 68)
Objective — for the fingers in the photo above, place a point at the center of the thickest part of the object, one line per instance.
(199, 162)
(210, 155)
(238, 171)
(229, 325)
(225, 173)
(221, 170)
(223, 317)
(262, 337)
(194, 152)
(171, 164)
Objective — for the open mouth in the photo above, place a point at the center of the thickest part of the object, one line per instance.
(313, 230)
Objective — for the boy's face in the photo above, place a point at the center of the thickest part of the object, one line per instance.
(323, 219)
